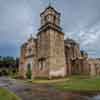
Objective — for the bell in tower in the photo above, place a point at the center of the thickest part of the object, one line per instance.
(50, 17)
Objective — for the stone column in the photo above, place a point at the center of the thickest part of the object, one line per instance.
(93, 70)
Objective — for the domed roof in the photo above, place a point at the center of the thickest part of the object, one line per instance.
(71, 41)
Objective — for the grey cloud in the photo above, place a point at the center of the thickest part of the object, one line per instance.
(80, 20)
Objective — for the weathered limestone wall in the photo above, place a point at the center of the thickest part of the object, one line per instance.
(43, 45)
(80, 66)
(42, 71)
(72, 52)
(94, 65)
(68, 59)
(57, 56)
(22, 71)
(22, 61)
(51, 52)
(28, 56)
(43, 53)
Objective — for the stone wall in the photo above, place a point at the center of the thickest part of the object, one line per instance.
(72, 52)
(57, 55)
(28, 56)
(51, 52)
(80, 66)
(43, 53)
(22, 70)
(94, 65)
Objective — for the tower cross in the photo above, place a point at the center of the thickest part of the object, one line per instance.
(50, 2)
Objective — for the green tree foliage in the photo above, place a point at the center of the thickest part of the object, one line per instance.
(29, 72)
(8, 65)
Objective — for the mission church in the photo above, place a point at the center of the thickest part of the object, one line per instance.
(49, 55)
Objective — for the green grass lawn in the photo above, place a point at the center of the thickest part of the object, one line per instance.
(73, 83)
(6, 95)
(77, 83)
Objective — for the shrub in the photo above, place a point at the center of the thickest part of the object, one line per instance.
(29, 72)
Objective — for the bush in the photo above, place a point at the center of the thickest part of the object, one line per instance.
(29, 73)
(4, 72)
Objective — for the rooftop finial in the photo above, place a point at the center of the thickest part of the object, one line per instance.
(31, 36)
(50, 2)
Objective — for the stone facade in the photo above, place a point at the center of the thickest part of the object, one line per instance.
(76, 60)
(45, 54)
(94, 65)
(49, 55)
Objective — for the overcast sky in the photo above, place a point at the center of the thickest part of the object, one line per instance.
(19, 18)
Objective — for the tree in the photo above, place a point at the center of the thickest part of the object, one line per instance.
(29, 72)
(17, 63)
(8, 65)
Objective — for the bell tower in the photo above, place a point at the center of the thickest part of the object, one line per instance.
(51, 55)
(50, 17)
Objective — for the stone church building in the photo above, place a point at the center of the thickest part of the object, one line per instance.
(49, 55)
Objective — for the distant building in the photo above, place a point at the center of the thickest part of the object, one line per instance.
(49, 55)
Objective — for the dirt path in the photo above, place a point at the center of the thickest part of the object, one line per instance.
(29, 91)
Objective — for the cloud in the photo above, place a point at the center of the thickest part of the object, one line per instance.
(17, 22)
(89, 40)
(20, 18)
